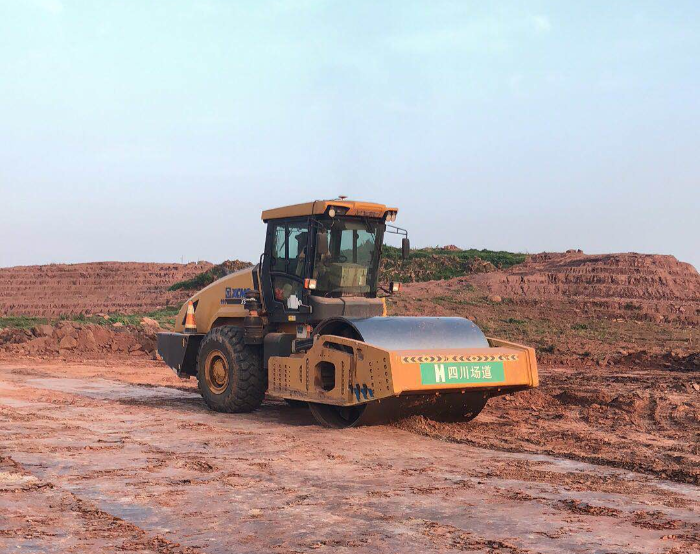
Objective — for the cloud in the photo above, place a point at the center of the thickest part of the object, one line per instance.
(541, 23)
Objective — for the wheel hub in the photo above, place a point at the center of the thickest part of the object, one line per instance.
(216, 372)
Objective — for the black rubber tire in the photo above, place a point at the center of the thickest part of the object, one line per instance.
(247, 380)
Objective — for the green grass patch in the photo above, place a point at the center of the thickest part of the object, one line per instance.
(164, 317)
(499, 258)
(200, 281)
(432, 264)
(514, 321)
(207, 277)
(450, 300)
(21, 322)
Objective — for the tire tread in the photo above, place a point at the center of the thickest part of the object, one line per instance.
(247, 381)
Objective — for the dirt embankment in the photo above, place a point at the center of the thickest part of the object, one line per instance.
(107, 287)
(643, 286)
(76, 341)
(622, 309)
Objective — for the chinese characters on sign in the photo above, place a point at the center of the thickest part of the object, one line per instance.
(435, 374)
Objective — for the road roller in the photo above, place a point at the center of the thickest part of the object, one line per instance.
(309, 324)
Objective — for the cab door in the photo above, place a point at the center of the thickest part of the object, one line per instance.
(286, 265)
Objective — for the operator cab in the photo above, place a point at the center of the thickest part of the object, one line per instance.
(322, 260)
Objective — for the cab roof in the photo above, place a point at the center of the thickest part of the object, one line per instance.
(319, 207)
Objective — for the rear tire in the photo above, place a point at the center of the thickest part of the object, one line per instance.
(229, 372)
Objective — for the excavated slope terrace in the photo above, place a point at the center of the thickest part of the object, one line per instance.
(653, 286)
(102, 287)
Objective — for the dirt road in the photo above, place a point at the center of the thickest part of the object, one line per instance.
(92, 459)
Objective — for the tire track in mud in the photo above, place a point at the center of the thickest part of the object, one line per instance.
(638, 420)
(61, 521)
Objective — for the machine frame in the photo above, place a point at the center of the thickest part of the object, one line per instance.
(337, 352)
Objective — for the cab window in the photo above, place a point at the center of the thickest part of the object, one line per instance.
(289, 248)
(287, 291)
(290, 244)
(347, 257)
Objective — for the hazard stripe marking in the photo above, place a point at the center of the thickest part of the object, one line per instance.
(472, 358)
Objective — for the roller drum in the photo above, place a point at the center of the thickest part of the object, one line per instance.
(405, 333)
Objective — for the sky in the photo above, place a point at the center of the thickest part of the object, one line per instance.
(158, 130)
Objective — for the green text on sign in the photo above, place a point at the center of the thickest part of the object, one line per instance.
(437, 374)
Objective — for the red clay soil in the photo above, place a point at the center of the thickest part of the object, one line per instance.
(632, 417)
(602, 457)
(563, 331)
(645, 286)
(102, 287)
(78, 341)
(625, 328)
(123, 457)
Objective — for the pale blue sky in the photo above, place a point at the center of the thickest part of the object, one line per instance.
(153, 130)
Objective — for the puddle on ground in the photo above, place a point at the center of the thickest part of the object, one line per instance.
(103, 389)
(547, 462)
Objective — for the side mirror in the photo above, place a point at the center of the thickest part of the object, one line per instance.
(405, 248)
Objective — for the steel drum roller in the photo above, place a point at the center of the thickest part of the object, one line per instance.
(405, 333)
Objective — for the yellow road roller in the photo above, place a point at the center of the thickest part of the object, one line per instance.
(307, 324)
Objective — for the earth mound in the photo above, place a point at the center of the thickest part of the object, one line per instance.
(70, 289)
(69, 339)
(643, 286)
(441, 263)
(212, 274)
(425, 264)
